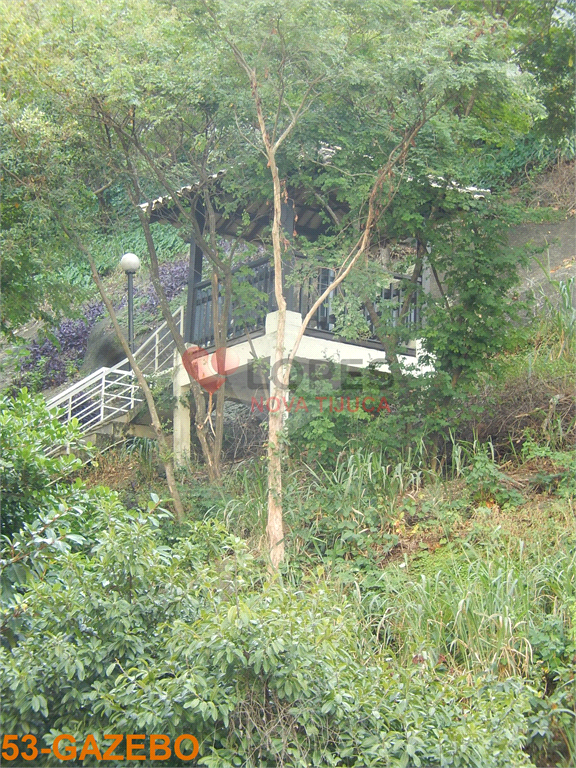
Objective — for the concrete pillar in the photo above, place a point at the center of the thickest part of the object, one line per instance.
(293, 323)
(181, 414)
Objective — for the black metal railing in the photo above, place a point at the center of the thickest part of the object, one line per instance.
(389, 302)
(240, 319)
(243, 320)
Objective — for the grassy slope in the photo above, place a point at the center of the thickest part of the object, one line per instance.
(468, 572)
(456, 583)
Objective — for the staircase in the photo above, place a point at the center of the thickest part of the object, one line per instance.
(112, 394)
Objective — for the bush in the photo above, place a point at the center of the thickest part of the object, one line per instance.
(31, 481)
(193, 638)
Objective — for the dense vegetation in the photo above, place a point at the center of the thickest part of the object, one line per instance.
(425, 613)
(424, 618)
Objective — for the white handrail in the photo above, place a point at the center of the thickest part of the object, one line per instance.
(78, 386)
(151, 346)
(108, 393)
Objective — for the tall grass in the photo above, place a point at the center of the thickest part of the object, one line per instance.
(561, 315)
(364, 470)
(555, 336)
(144, 450)
(474, 609)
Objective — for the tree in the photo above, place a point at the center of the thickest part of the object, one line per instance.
(64, 175)
(541, 40)
(165, 453)
(32, 261)
(376, 80)
(542, 33)
(267, 87)
(122, 129)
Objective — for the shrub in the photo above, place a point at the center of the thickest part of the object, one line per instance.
(192, 638)
(32, 481)
(52, 360)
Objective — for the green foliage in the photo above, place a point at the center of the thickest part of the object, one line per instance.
(462, 621)
(114, 619)
(530, 155)
(368, 79)
(334, 415)
(462, 653)
(562, 476)
(34, 258)
(33, 482)
(424, 410)
(475, 598)
(127, 236)
(60, 165)
(145, 451)
(249, 302)
(343, 514)
(478, 273)
(193, 638)
(528, 392)
(559, 318)
(486, 482)
(491, 605)
(409, 420)
(542, 35)
(63, 525)
(548, 52)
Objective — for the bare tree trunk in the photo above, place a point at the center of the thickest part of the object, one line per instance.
(271, 141)
(275, 527)
(221, 394)
(165, 451)
(199, 401)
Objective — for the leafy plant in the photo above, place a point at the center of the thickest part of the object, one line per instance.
(260, 672)
(485, 480)
(32, 479)
(57, 356)
(145, 451)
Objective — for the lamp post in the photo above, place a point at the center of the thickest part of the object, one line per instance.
(130, 263)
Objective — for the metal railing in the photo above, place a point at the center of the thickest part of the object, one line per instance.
(240, 319)
(109, 393)
(387, 305)
(105, 394)
(156, 354)
(301, 297)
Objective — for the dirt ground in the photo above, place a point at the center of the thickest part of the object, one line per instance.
(558, 258)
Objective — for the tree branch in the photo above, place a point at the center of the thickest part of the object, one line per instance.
(165, 451)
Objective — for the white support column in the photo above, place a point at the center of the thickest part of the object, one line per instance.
(181, 414)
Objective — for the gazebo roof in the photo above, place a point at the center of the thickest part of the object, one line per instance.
(310, 218)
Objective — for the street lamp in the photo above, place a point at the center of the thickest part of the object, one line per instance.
(130, 263)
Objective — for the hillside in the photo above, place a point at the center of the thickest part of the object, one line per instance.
(351, 542)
